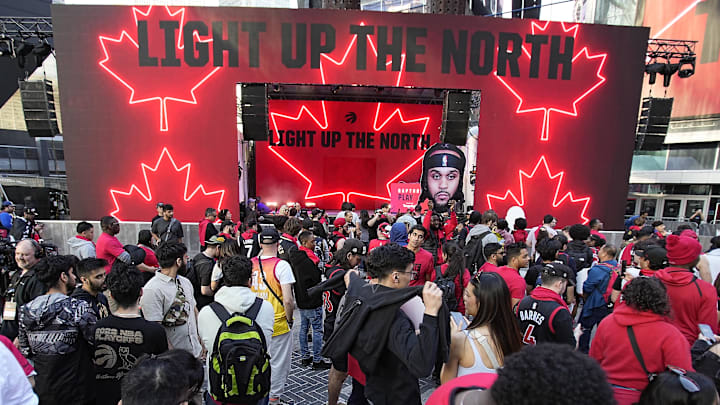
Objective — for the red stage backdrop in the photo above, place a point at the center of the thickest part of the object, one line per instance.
(149, 115)
(334, 151)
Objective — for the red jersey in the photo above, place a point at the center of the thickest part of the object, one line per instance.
(513, 279)
(424, 266)
(377, 243)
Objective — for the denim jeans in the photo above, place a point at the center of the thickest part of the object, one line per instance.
(314, 318)
(587, 323)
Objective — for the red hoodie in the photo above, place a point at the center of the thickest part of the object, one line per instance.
(661, 344)
(693, 301)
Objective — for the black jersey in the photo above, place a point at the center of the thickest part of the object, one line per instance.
(544, 322)
(331, 300)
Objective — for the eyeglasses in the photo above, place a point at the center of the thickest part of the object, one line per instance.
(413, 274)
(687, 383)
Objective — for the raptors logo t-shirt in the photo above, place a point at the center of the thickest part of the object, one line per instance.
(119, 342)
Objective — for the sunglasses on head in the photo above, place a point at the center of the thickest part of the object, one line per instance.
(687, 383)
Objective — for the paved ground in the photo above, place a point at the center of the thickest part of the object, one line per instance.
(306, 386)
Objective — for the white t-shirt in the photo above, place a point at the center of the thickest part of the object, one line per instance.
(283, 271)
(14, 385)
(217, 274)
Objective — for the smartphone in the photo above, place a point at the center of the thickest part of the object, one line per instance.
(459, 319)
(707, 332)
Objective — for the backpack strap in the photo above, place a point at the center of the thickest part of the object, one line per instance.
(220, 311)
(697, 286)
(254, 309)
(438, 273)
(638, 355)
(262, 273)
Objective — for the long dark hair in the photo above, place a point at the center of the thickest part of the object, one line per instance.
(455, 259)
(495, 311)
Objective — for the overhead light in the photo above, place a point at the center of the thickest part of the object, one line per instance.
(668, 71)
(687, 67)
(6, 46)
(653, 69)
(22, 51)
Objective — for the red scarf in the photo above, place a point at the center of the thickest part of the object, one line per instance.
(248, 234)
(290, 238)
(84, 238)
(545, 294)
(311, 254)
(647, 272)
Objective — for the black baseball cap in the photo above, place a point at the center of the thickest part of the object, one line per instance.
(268, 236)
(657, 257)
(158, 205)
(558, 270)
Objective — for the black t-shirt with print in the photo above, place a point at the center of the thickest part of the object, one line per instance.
(119, 342)
(203, 267)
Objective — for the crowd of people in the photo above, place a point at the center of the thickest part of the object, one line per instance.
(493, 313)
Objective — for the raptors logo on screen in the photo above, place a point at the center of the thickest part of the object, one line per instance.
(374, 144)
(316, 155)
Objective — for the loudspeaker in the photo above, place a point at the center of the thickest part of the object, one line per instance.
(456, 115)
(39, 107)
(254, 107)
(653, 123)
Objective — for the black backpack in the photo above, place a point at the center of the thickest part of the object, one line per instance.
(192, 275)
(239, 363)
(582, 256)
(473, 252)
(447, 285)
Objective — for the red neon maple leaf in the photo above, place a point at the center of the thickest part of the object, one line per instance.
(164, 182)
(541, 193)
(532, 94)
(148, 83)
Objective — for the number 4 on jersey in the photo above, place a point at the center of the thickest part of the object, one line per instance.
(528, 338)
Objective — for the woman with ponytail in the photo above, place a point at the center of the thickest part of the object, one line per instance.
(453, 268)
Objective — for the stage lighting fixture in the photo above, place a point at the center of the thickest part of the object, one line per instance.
(6, 46)
(653, 69)
(668, 71)
(22, 51)
(41, 52)
(687, 67)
